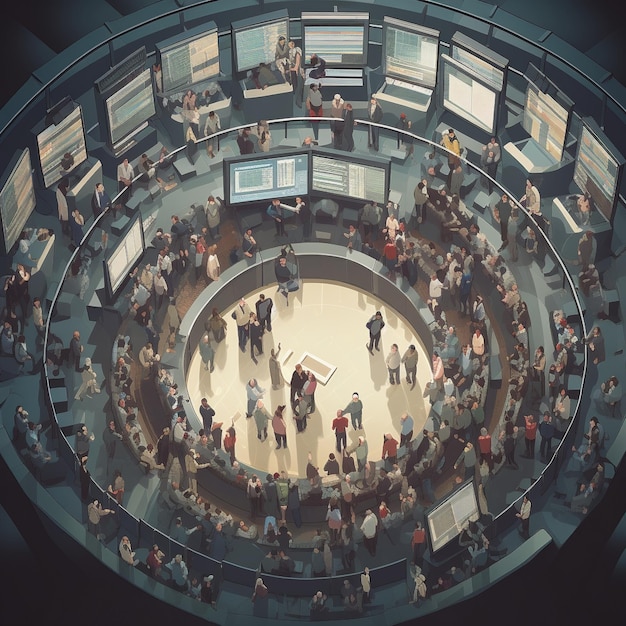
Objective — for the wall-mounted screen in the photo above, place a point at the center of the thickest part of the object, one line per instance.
(334, 173)
(465, 94)
(124, 257)
(17, 199)
(410, 52)
(597, 171)
(58, 141)
(445, 522)
(258, 178)
(487, 64)
(189, 58)
(121, 71)
(341, 39)
(546, 121)
(129, 109)
(255, 40)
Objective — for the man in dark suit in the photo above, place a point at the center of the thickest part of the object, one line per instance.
(76, 350)
(100, 200)
(374, 114)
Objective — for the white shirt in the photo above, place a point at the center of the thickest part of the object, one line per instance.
(368, 527)
(525, 510)
(434, 289)
(125, 171)
(164, 263)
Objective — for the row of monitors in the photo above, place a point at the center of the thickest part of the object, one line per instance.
(292, 173)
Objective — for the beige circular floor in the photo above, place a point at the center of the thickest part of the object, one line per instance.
(325, 319)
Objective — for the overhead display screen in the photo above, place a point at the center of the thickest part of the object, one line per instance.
(124, 256)
(17, 200)
(130, 108)
(446, 521)
(255, 42)
(410, 52)
(189, 58)
(545, 120)
(341, 39)
(56, 141)
(264, 178)
(350, 177)
(597, 172)
(466, 95)
(485, 62)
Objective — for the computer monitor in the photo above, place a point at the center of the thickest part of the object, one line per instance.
(256, 178)
(466, 94)
(189, 58)
(255, 39)
(340, 38)
(336, 173)
(410, 52)
(62, 147)
(546, 113)
(598, 168)
(17, 198)
(488, 64)
(445, 522)
(129, 109)
(124, 257)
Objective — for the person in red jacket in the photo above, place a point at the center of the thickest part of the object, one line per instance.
(340, 424)
(530, 436)
(418, 543)
(390, 449)
(484, 445)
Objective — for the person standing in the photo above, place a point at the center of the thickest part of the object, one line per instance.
(438, 371)
(100, 200)
(95, 512)
(297, 72)
(489, 160)
(207, 413)
(76, 349)
(406, 432)
(212, 211)
(125, 175)
(355, 410)
(241, 315)
(276, 375)
(375, 326)
(62, 209)
(524, 515)
(283, 276)
(336, 126)
(340, 424)
(370, 218)
(502, 213)
(264, 312)
(280, 427)
(315, 106)
(393, 365)
(211, 126)
(217, 325)
(347, 139)
(253, 392)
(375, 115)
(308, 392)
(275, 211)
(207, 353)
(369, 528)
(261, 418)
(530, 435)
(110, 437)
(256, 337)
(546, 430)
(298, 378)
(409, 358)
(390, 450)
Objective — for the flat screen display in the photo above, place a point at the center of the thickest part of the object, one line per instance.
(264, 178)
(189, 60)
(596, 171)
(545, 120)
(489, 65)
(124, 256)
(56, 141)
(130, 108)
(341, 39)
(466, 95)
(17, 199)
(410, 52)
(256, 43)
(446, 521)
(350, 177)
